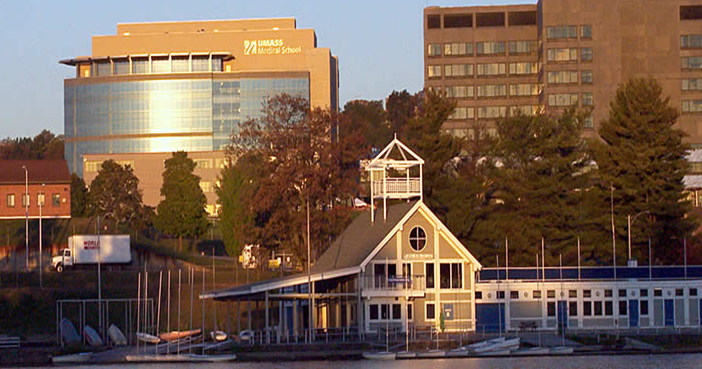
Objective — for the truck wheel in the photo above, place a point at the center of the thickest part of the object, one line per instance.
(59, 268)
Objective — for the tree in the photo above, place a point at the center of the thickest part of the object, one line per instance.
(79, 196)
(304, 165)
(370, 120)
(181, 213)
(401, 107)
(641, 161)
(115, 190)
(45, 145)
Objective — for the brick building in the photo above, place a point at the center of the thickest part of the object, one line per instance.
(49, 187)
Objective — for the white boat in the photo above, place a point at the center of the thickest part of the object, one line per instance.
(560, 350)
(68, 332)
(145, 337)
(382, 355)
(511, 344)
(485, 346)
(531, 351)
(116, 336)
(431, 354)
(176, 335)
(212, 358)
(187, 358)
(92, 337)
(405, 355)
(502, 352)
(459, 352)
(72, 358)
(218, 336)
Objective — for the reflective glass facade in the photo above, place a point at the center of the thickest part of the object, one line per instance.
(140, 116)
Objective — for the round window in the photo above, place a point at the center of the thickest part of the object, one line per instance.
(417, 239)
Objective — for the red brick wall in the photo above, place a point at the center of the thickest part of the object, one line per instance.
(49, 210)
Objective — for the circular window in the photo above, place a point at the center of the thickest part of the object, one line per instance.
(526, 294)
(417, 239)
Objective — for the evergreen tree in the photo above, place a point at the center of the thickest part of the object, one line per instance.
(115, 190)
(181, 213)
(641, 160)
(79, 196)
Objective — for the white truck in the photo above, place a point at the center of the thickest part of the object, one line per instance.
(85, 250)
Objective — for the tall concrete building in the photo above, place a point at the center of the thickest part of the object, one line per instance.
(499, 60)
(156, 88)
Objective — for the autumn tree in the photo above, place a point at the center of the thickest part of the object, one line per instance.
(45, 145)
(115, 190)
(370, 119)
(641, 160)
(181, 213)
(305, 165)
(79, 196)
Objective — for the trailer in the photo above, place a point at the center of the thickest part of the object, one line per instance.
(89, 249)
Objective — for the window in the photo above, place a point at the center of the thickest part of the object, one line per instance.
(458, 20)
(433, 21)
(643, 307)
(434, 71)
(373, 312)
(492, 112)
(409, 311)
(561, 32)
(562, 77)
(396, 311)
(527, 110)
(587, 293)
(407, 269)
(56, 200)
(417, 238)
(489, 48)
(26, 200)
(180, 64)
(690, 12)
(478, 295)
(514, 295)
(598, 308)
(160, 65)
(522, 47)
(492, 91)
(692, 84)
(103, 68)
(121, 66)
(587, 101)
(693, 62)
(458, 92)
(493, 19)
(10, 200)
(643, 292)
(562, 99)
(622, 293)
(585, 31)
(526, 89)
(523, 18)
(551, 294)
(679, 292)
(491, 69)
(563, 54)
(573, 294)
(140, 65)
(429, 275)
(431, 311)
(206, 186)
(434, 50)
(500, 295)
(462, 113)
(587, 308)
(586, 54)
(523, 68)
(691, 41)
(609, 308)
(451, 275)
(573, 308)
(536, 294)
(693, 291)
(692, 106)
(551, 308)
(588, 123)
(458, 49)
(657, 292)
(622, 308)
(458, 70)
(384, 311)
(203, 163)
(586, 76)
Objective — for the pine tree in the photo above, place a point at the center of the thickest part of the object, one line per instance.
(641, 156)
(181, 213)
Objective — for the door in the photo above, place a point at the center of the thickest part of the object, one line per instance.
(562, 314)
(633, 313)
(490, 318)
(669, 313)
(67, 259)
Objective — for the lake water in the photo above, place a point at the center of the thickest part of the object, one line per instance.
(682, 361)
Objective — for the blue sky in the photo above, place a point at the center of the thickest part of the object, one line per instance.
(379, 44)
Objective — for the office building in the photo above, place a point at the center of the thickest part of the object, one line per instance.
(501, 60)
(163, 87)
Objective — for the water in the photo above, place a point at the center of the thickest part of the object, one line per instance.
(577, 362)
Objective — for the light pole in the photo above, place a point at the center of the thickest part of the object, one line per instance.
(41, 204)
(98, 268)
(629, 221)
(26, 214)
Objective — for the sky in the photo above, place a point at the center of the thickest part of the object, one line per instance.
(379, 44)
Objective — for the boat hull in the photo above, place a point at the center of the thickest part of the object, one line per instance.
(73, 358)
(384, 355)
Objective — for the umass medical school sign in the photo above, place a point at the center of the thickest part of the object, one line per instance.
(269, 47)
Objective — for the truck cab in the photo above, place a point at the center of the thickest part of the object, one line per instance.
(63, 260)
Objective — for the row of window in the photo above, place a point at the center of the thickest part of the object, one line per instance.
(487, 69)
(522, 89)
(93, 166)
(388, 312)
(568, 32)
(26, 200)
(692, 106)
(691, 41)
(494, 112)
(161, 64)
(568, 54)
(450, 274)
(569, 77)
(608, 293)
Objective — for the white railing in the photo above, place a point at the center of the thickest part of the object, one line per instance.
(394, 283)
(398, 186)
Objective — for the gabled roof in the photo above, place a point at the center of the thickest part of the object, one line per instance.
(38, 171)
(383, 159)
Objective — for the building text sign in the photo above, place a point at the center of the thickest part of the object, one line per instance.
(275, 46)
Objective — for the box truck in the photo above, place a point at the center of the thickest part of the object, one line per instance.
(85, 250)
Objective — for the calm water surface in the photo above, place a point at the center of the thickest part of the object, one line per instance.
(577, 362)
